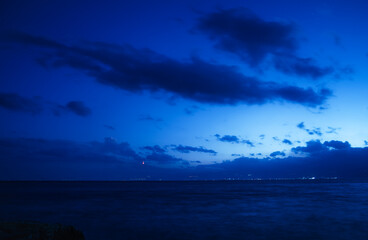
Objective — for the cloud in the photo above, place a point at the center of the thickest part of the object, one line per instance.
(78, 108)
(36, 105)
(15, 102)
(277, 153)
(248, 142)
(365, 143)
(236, 155)
(315, 146)
(158, 156)
(111, 147)
(332, 130)
(303, 67)
(241, 32)
(155, 149)
(228, 138)
(42, 159)
(138, 71)
(233, 139)
(337, 144)
(165, 160)
(341, 163)
(301, 125)
(287, 141)
(108, 151)
(276, 138)
(188, 149)
(109, 127)
(312, 147)
(75, 107)
(314, 131)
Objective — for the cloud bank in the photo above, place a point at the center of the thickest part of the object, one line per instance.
(41, 159)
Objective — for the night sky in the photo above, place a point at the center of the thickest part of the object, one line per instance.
(127, 90)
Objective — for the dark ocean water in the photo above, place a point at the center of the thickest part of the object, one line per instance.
(193, 210)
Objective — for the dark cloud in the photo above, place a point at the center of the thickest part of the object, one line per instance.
(158, 156)
(61, 150)
(304, 67)
(79, 108)
(228, 138)
(233, 139)
(155, 149)
(241, 32)
(301, 125)
(365, 142)
(35, 105)
(341, 163)
(165, 160)
(111, 147)
(287, 141)
(15, 102)
(188, 149)
(316, 131)
(75, 107)
(41, 159)
(315, 146)
(312, 147)
(277, 153)
(143, 70)
(337, 144)
(262, 136)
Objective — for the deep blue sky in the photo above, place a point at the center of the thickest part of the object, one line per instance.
(208, 90)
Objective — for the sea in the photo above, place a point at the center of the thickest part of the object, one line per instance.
(244, 210)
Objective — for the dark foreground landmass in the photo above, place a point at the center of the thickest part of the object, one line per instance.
(38, 231)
